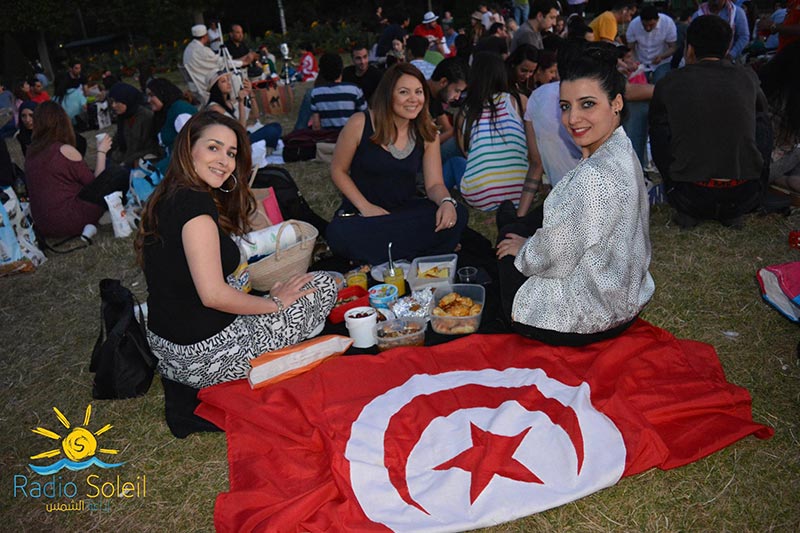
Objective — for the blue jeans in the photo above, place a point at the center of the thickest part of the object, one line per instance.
(521, 13)
(453, 170)
(269, 133)
(659, 73)
(453, 163)
(635, 126)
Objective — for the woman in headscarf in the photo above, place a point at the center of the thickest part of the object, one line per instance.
(25, 132)
(135, 136)
(170, 112)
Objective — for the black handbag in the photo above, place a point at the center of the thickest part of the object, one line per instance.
(122, 361)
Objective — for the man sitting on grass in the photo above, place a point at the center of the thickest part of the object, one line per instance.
(332, 103)
(709, 131)
(361, 72)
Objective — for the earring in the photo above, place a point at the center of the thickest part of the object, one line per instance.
(235, 184)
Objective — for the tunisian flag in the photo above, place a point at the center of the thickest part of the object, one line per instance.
(475, 432)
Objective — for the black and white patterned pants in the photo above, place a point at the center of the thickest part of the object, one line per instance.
(226, 355)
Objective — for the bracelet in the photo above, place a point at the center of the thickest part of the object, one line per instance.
(102, 152)
(278, 302)
(448, 199)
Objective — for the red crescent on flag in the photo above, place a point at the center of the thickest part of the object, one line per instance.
(417, 415)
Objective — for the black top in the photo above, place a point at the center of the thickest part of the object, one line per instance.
(175, 311)
(703, 122)
(241, 50)
(367, 83)
(436, 108)
(382, 179)
(65, 82)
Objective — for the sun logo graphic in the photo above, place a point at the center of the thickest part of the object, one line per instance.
(79, 446)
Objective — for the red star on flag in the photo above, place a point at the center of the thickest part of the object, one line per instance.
(490, 455)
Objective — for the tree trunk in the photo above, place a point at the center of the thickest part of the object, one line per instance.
(44, 55)
(197, 15)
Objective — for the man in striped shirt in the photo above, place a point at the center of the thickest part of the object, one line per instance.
(333, 102)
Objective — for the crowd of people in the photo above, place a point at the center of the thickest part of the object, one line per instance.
(492, 112)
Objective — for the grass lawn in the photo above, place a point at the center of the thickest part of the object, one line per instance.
(706, 291)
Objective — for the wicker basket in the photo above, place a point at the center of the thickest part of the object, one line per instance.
(286, 262)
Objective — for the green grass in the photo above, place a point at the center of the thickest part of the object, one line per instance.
(705, 288)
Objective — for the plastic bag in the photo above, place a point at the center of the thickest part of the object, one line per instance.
(119, 216)
(18, 249)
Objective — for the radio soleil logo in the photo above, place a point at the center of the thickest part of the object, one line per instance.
(79, 446)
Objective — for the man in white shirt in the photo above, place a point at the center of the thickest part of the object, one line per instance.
(200, 61)
(653, 38)
(557, 149)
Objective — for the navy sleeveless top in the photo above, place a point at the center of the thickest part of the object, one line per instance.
(384, 180)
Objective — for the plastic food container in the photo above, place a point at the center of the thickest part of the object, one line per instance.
(458, 325)
(380, 296)
(445, 261)
(357, 297)
(400, 332)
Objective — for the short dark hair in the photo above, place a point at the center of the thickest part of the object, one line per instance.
(619, 5)
(359, 46)
(710, 36)
(649, 12)
(417, 46)
(543, 7)
(495, 27)
(330, 66)
(453, 68)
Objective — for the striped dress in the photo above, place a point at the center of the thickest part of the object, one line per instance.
(498, 158)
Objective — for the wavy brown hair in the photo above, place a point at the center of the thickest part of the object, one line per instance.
(381, 109)
(50, 125)
(235, 207)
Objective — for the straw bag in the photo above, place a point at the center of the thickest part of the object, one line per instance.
(285, 262)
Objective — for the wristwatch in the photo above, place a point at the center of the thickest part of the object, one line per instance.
(448, 199)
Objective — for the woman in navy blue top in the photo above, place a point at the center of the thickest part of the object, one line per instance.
(375, 165)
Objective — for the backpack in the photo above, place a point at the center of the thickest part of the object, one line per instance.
(121, 360)
(290, 199)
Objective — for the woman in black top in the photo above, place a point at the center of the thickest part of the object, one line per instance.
(201, 326)
(375, 165)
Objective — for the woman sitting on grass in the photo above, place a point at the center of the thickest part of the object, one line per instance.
(202, 329)
(375, 165)
(521, 65)
(170, 111)
(583, 275)
(222, 100)
(56, 175)
(135, 136)
(498, 142)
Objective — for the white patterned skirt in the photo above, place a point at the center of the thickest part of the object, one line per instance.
(226, 355)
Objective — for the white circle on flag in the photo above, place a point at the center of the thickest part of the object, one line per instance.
(546, 450)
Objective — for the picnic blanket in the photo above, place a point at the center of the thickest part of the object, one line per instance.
(471, 433)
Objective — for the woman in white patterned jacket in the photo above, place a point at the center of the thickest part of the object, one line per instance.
(582, 276)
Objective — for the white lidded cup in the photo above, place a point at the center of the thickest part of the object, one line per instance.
(360, 322)
(99, 138)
